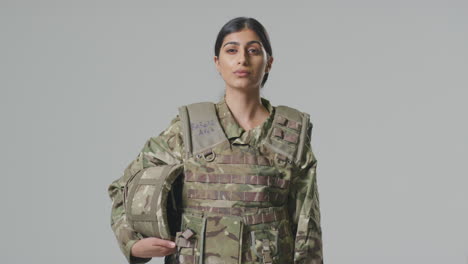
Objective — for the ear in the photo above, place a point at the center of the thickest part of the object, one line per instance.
(269, 63)
(216, 61)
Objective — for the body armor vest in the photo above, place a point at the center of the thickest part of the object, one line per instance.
(235, 197)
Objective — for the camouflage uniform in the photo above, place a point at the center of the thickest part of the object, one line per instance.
(243, 202)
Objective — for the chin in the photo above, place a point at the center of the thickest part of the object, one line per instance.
(244, 85)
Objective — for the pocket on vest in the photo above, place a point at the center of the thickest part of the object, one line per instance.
(216, 239)
(223, 237)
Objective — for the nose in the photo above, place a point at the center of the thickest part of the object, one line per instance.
(242, 57)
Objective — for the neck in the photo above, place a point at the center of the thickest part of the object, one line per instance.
(247, 108)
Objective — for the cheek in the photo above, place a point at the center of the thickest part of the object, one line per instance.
(227, 66)
(222, 63)
(259, 69)
(260, 63)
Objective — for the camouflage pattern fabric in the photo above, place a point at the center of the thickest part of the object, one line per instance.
(166, 148)
(247, 205)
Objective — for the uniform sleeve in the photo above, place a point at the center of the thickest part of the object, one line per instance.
(166, 148)
(305, 210)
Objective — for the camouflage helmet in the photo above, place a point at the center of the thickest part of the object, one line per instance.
(152, 200)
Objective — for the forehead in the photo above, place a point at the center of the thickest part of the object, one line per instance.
(244, 37)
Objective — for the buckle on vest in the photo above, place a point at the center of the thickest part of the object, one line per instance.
(282, 160)
(188, 233)
(209, 155)
(183, 238)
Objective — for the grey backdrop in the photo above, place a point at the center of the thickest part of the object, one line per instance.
(85, 83)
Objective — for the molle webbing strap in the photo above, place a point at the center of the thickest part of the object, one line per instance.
(234, 196)
(266, 217)
(292, 138)
(266, 251)
(237, 211)
(273, 181)
(201, 127)
(244, 158)
(250, 215)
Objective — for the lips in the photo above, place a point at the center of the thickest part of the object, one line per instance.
(241, 73)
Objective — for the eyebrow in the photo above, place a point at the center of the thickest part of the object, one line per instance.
(248, 43)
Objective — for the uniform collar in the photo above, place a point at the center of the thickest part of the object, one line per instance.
(234, 132)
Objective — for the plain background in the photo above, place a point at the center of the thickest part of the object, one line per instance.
(84, 84)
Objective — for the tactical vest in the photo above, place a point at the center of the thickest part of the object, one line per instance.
(235, 197)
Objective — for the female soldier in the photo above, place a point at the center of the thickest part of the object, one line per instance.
(249, 182)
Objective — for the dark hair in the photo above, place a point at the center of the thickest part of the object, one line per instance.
(239, 23)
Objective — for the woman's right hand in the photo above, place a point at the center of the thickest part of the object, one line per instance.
(153, 247)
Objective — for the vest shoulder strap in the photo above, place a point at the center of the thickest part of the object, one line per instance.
(288, 133)
(201, 127)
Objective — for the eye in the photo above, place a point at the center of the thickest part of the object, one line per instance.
(229, 50)
(254, 51)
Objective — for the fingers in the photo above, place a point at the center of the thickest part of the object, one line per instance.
(161, 242)
(153, 247)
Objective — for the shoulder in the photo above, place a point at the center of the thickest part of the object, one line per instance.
(293, 117)
(298, 121)
(196, 110)
(196, 105)
(174, 133)
(174, 127)
(169, 139)
(291, 111)
(167, 146)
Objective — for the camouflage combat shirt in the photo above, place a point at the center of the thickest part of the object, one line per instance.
(303, 198)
